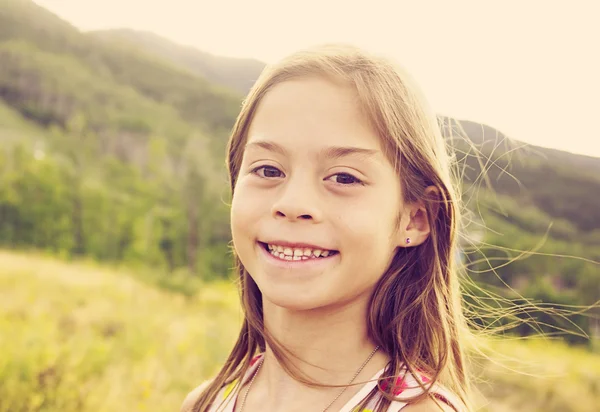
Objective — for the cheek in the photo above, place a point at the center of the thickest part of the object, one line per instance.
(371, 234)
(246, 210)
(368, 224)
(374, 251)
(239, 218)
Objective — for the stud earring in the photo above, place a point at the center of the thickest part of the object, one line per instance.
(407, 240)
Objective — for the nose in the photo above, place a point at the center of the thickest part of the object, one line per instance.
(297, 200)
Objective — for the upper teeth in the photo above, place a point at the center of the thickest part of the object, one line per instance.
(296, 253)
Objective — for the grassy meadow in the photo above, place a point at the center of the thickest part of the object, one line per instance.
(77, 337)
(83, 337)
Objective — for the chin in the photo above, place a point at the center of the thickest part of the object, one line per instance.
(292, 300)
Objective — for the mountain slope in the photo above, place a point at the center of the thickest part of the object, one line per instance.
(198, 101)
(237, 74)
(562, 185)
(129, 143)
(480, 133)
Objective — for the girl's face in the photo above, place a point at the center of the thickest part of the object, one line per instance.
(314, 182)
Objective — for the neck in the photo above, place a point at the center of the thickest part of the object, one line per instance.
(331, 344)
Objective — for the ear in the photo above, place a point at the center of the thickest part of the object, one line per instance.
(414, 222)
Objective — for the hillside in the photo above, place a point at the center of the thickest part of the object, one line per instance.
(480, 133)
(562, 185)
(196, 100)
(129, 140)
(236, 74)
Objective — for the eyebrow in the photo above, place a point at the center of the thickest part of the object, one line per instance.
(332, 152)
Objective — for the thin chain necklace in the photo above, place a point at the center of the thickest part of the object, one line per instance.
(330, 403)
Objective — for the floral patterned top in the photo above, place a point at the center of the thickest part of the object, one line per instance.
(407, 387)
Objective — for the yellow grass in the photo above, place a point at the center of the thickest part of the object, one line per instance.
(74, 337)
(538, 375)
(80, 337)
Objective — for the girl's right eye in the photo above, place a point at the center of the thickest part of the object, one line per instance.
(267, 172)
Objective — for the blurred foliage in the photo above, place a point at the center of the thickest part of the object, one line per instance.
(535, 375)
(79, 337)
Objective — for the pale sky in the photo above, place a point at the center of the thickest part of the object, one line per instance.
(529, 68)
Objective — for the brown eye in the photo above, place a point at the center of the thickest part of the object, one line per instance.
(267, 172)
(346, 179)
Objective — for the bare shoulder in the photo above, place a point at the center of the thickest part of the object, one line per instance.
(428, 405)
(190, 399)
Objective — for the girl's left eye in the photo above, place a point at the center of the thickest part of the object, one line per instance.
(345, 179)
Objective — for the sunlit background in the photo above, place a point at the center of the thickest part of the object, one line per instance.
(115, 286)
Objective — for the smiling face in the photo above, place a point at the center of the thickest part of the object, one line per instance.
(314, 176)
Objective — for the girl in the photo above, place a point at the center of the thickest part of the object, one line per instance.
(344, 223)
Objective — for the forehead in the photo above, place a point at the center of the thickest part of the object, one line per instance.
(312, 112)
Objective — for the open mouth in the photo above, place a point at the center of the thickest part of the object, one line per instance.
(296, 253)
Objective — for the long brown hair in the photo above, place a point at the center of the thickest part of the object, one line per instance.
(415, 310)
